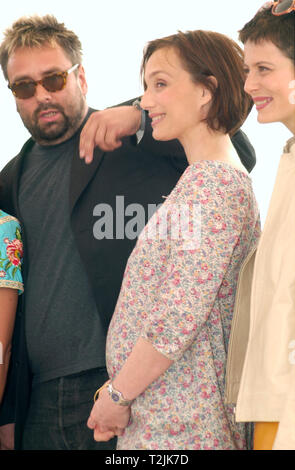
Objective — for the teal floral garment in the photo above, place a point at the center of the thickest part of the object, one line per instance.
(11, 252)
(178, 293)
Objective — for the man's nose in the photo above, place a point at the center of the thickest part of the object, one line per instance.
(41, 94)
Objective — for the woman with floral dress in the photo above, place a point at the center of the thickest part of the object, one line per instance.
(167, 341)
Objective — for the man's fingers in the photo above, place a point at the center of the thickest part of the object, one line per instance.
(87, 137)
(93, 129)
(96, 141)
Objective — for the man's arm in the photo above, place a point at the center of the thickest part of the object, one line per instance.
(105, 129)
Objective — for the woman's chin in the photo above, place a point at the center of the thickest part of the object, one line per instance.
(157, 135)
(263, 118)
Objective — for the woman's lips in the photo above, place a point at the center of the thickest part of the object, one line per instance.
(261, 102)
(156, 118)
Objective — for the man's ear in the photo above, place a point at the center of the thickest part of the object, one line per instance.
(82, 80)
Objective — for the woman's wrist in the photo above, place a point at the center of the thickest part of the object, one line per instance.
(113, 407)
(117, 396)
(123, 383)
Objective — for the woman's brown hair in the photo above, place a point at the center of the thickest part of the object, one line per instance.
(205, 54)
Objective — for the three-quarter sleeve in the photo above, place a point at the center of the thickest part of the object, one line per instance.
(11, 253)
(194, 273)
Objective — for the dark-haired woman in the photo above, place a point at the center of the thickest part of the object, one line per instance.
(267, 391)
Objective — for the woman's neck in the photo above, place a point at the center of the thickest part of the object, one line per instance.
(202, 143)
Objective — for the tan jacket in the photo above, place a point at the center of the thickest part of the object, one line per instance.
(263, 386)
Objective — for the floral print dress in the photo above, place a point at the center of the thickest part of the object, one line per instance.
(11, 252)
(178, 292)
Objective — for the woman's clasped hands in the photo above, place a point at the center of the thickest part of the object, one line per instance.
(108, 419)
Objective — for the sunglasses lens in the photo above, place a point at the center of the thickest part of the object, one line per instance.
(24, 90)
(283, 6)
(54, 82)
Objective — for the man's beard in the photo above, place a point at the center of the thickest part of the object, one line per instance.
(55, 132)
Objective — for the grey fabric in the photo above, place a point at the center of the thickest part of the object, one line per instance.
(63, 329)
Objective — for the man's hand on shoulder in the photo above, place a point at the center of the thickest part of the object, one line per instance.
(106, 128)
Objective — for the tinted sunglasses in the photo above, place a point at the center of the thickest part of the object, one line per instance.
(283, 7)
(25, 89)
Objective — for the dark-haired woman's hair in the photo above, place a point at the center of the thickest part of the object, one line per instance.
(265, 26)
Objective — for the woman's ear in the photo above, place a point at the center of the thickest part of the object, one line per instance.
(207, 93)
(207, 96)
(214, 81)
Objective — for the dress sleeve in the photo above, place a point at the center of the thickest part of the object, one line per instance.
(11, 253)
(195, 273)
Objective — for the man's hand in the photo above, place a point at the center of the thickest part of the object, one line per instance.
(7, 437)
(106, 128)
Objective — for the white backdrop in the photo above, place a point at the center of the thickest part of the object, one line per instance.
(113, 34)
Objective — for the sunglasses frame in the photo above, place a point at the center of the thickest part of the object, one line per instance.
(64, 75)
(285, 12)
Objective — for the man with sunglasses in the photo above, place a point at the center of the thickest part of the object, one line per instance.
(72, 276)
